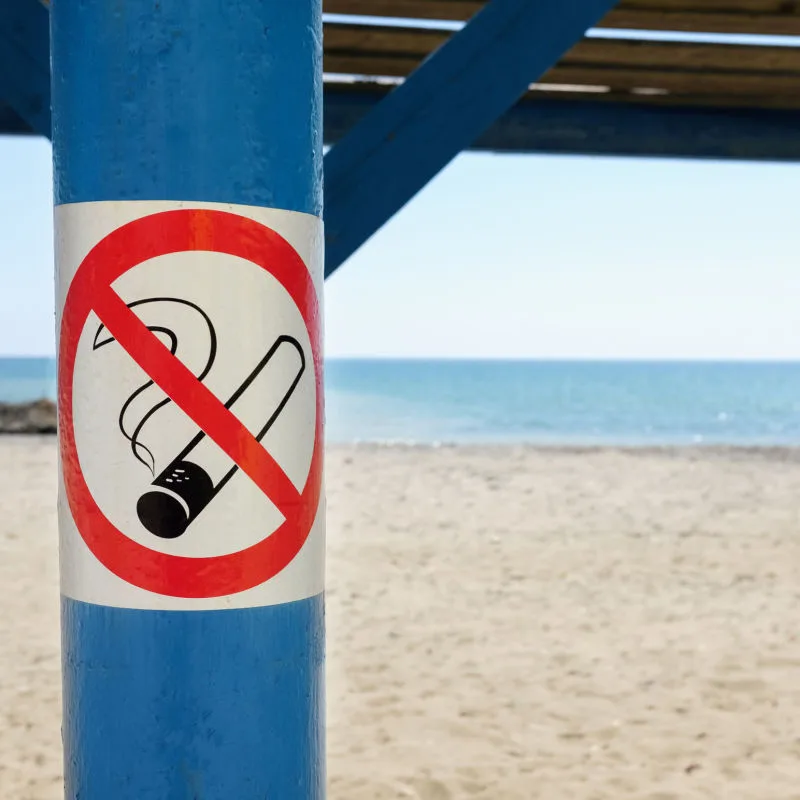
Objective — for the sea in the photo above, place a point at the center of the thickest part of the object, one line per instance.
(633, 403)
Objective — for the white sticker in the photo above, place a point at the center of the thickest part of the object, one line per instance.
(190, 404)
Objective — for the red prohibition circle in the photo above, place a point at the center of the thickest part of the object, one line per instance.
(164, 233)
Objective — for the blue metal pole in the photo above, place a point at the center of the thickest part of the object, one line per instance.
(159, 106)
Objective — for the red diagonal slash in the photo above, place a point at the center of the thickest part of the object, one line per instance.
(195, 399)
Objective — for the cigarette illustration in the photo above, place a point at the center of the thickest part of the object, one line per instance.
(181, 491)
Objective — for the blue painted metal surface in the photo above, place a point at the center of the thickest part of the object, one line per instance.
(12, 123)
(209, 101)
(236, 138)
(608, 128)
(25, 61)
(175, 705)
(450, 100)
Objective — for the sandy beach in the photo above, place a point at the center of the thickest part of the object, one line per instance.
(503, 623)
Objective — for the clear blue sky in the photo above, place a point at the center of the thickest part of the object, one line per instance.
(511, 256)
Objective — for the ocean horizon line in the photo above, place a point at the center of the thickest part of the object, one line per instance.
(513, 359)
(539, 401)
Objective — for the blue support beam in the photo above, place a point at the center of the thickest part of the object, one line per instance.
(607, 128)
(25, 62)
(12, 123)
(447, 103)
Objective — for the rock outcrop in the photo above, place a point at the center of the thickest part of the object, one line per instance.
(36, 417)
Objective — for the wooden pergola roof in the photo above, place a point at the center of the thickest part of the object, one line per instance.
(640, 71)
(654, 78)
(369, 44)
(779, 17)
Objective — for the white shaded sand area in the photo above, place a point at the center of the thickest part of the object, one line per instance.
(504, 624)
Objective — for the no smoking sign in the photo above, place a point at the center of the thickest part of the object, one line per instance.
(190, 403)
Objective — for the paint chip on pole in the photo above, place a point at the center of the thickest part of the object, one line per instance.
(190, 402)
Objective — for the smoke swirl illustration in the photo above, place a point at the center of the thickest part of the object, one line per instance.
(131, 424)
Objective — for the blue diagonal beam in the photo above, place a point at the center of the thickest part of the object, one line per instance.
(447, 103)
(25, 61)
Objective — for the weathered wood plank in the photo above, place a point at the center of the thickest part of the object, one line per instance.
(715, 88)
(691, 82)
(384, 40)
(644, 71)
(638, 97)
(694, 21)
(682, 55)
(776, 17)
(409, 9)
(409, 43)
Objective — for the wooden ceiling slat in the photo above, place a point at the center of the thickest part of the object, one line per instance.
(411, 44)
(461, 9)
(369, 65)
(769, 17)
(621, 96)
(405, 9)
(643, 71)
(384, 40)
(780, 7)
(702, 22)
(682, 55)
(636, 70)
(676, 82)
(741, 84)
